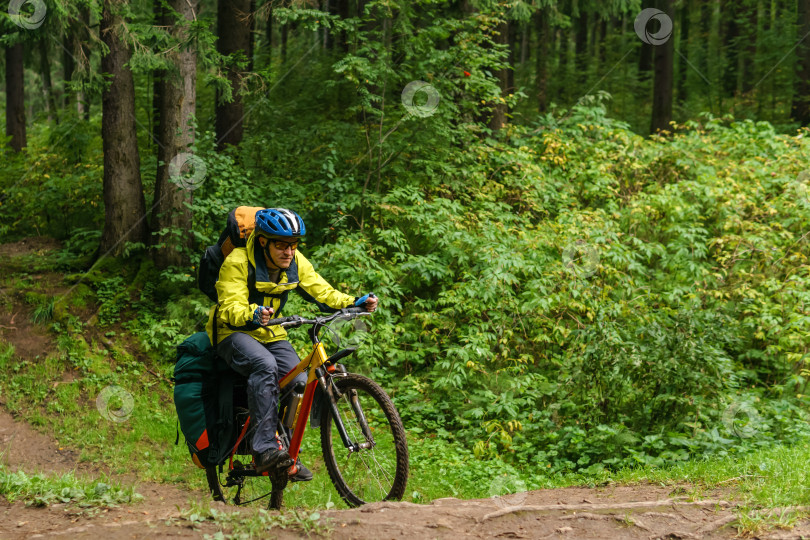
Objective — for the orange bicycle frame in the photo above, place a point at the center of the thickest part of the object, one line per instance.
(316, 359)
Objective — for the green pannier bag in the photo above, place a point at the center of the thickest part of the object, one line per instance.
(203, 397)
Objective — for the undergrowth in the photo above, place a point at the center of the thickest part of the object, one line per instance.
(564, 302)
(45, 490)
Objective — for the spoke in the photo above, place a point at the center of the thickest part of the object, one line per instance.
(384, 471)
(361, 454)
(366, 474)
(383, 492)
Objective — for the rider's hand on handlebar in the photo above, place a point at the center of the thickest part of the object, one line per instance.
(261, 315)
(368, 302)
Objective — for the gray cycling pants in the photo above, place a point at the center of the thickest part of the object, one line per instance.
(264, 365)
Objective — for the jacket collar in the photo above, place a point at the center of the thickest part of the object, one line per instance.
(287, 278)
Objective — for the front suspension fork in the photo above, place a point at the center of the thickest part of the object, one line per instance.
(333, 395)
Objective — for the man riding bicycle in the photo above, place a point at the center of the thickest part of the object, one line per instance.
(250, 347)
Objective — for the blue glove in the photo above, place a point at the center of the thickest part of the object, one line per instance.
(362, 300)
(257, 315)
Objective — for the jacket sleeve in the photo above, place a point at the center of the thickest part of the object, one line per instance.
(315, 289)
(232, 291)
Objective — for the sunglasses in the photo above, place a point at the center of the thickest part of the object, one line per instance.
(282, 245)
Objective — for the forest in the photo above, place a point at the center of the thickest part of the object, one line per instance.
(587, 222)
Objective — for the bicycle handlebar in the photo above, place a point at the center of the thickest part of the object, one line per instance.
(295, 320)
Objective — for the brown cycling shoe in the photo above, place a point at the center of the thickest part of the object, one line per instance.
(272, 458)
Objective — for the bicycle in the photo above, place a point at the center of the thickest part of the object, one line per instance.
(363, 417)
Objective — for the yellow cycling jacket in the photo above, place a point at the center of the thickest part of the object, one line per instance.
(237, 303)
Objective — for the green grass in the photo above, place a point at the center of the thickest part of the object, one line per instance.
(142, 444)
(45, 490)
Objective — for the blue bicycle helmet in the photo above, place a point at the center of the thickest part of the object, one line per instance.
(280, 222)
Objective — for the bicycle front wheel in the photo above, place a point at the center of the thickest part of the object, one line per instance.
(378, 471)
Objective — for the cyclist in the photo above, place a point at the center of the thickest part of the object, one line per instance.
(260, 352)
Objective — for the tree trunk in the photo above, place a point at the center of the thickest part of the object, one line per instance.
(158, 76)
(285, 29)
(683, 67)
(329, 38)
(662, 86)
(251, 35)
(343, 13)
(599, 36)
(15, 97)
(498, 120)
(268, 31)
(525, 36)
(82, 103)
(800, 108)
(124, 207)
(176, 134)
(646, 57)
(581, 60)
(45, 72)
(756, 49)
(68, 67)
(511, 33)
(715, 52)
(233, 34)
(695, 51)
(543, 36)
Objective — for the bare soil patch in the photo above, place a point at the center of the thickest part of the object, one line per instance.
(40, 245)
(615, 512)
(30, 340)
(22, 448)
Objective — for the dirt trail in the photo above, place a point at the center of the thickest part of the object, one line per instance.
(617, 512)
(22, 448)
(632, 512)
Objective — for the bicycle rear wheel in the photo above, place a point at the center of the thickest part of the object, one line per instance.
(379, 471)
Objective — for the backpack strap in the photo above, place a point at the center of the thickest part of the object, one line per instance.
(254, 296)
